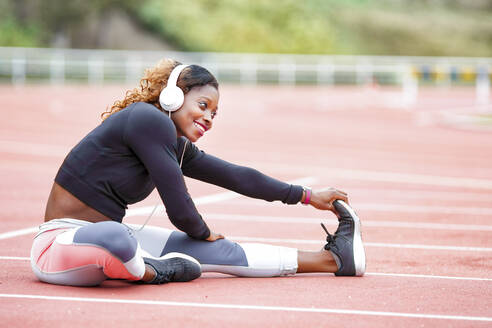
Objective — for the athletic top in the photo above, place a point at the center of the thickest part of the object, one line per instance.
(137, 149)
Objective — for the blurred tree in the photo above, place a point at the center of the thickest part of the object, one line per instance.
(52, 21)
(380, 27)
(61, 17)
(15, 27)
(243, 26)
(58, 15)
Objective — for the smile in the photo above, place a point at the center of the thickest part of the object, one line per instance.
(201, 128)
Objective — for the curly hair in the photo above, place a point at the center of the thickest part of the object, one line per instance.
(155, 79)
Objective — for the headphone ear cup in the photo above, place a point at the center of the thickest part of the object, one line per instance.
(171, 98)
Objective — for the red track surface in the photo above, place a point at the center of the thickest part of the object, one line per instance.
(416, 187)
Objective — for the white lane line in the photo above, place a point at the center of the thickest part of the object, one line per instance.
(385, 274)
(148, 209)
(300, 220)
(431, 247)
(385, 207)
(16, 147)
(248, 307)
(413, 275)
(209, 199)
(412, 178)
(367, 244)
(420, 193)
(16, 233)
(365, 223)
(425, 209)
(378, 176)
(15, 258)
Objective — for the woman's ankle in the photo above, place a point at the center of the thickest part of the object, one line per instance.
(149, 274)
(321, 261)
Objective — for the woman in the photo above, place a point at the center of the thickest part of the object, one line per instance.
(144, 142)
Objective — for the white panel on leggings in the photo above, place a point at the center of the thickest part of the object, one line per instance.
(136, 265)
(152, 239)
(66, 237)
(269, 260)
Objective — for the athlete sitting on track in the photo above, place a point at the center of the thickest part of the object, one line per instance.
(141, 145)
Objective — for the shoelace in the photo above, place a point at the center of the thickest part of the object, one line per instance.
(165, 277)
(329, 238)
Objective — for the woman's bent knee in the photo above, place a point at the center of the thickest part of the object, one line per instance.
(87, 255)
(112, 236)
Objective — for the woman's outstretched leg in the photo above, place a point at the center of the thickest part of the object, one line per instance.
(223, 255)
(239, 259)
(343, 253)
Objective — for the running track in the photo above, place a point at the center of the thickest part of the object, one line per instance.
(422, 190)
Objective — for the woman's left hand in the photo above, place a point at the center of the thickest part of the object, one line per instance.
(214, 236)
(323, 200)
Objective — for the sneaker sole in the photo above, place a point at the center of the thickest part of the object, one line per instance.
(358, 247)
(191, 262)
(181, 255)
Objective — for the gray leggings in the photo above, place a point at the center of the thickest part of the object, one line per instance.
(128, 244)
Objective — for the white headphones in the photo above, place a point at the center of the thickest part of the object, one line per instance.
(172, 97)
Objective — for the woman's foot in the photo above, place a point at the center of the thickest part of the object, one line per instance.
(173, 267)
(346, 244)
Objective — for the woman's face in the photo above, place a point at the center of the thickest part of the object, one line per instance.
(199, 108)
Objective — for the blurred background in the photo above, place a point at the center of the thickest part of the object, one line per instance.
(396, 43)
(346, 27)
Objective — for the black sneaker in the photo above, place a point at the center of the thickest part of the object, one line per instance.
(174, 267)
(346, 244)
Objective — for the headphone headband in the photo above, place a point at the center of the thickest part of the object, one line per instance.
(172, 97)
(173, 77)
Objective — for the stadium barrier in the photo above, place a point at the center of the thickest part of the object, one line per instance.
(58, 66)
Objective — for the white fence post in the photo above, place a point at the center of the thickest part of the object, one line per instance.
(482, 88)
(410, 86)
(133, 67)
(95, 70)
(364, 73)
(18, 63)
(325, 74)
(19, 71)
(287, 71)
(208, 61)
(57, 68)
(248, 71)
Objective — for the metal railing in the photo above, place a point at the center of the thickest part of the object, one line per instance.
(58, 66)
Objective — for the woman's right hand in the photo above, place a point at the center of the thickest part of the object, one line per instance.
(214, 236)
(323, 199)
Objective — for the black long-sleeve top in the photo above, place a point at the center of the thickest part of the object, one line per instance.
(136, 150)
